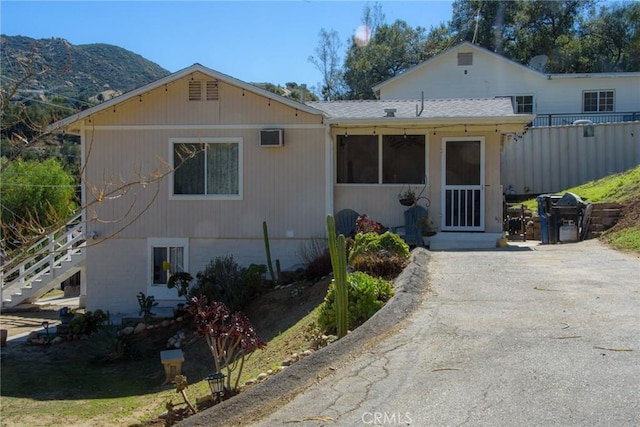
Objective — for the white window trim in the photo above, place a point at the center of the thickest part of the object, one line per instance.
(162, 292)
(533, 102)
(237, 140)
(598, 92)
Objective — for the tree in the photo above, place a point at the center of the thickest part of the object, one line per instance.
(35, 195)
(611, 39)
(392, 50)
(327, 61)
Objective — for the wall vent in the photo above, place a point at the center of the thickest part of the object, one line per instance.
(465, 58)
(212, 90)
(271, 138)
(195, 90)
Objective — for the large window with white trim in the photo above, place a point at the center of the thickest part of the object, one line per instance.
(207, 167)
(597, 101)
(381, 159)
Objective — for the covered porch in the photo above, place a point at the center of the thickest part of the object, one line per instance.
(446, 151)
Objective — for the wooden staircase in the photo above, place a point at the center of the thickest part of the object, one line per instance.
(52, 260)
(603, 217)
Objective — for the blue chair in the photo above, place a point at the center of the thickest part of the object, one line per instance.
(346, 222)
(412, 229)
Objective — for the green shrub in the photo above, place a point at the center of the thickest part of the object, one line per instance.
(382, 264)
(88, 323)
(315, 256)
(374, 243)
(253, 278)
(366, 295)
(222, 281)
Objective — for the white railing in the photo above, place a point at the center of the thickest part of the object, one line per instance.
(44, 260)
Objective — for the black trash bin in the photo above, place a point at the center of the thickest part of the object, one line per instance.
(549, 226)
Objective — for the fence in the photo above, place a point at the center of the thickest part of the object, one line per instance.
(554, 158)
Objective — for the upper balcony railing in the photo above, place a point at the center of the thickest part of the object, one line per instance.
(567, 119)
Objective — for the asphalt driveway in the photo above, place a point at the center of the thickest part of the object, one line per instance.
(540, 336)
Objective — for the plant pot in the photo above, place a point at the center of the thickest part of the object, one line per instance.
(407, 202)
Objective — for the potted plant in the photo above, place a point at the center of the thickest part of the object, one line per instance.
(180, 280)
(407, 197)
(429, 227)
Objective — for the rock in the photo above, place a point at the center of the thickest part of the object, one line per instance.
(307, 353)
(128, 330)
(140, 327)
(270, 372)
(250, 382)
(204, 399)
(57, 340)
(179, 319)
(262, 376)
(287, 362)
(33, 336)
(165, 323)
(281, 368)
(295, 357)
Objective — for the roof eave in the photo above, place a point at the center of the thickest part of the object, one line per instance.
(430, 121)
(67, 122)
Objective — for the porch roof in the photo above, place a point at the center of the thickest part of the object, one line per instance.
(435, 110)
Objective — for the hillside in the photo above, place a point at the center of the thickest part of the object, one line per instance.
(622, 188)
(82, 72)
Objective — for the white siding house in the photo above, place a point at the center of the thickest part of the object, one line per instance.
(187, 168)
(470, 71)
(561, 148)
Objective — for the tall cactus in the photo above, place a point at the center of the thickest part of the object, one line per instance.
(338, 252)
(265, 232)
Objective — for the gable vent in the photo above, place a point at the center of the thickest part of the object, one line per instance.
(212, 90)
(195, 90)
(465, 58)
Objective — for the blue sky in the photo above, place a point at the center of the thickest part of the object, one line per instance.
(253, 41)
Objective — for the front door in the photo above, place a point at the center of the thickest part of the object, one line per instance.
(463, 178)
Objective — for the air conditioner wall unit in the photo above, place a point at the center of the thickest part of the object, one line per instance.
(271, 137)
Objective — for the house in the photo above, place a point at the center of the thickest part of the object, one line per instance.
(471, 71)
(585, 127)
(187, 168)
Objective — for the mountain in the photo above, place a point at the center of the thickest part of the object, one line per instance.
(86, 72)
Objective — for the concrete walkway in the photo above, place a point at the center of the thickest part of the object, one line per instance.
(542, 336)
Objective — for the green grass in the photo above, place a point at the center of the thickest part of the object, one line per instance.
(76, 392)
(617, 188)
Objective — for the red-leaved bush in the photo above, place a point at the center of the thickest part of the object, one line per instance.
(230, 336)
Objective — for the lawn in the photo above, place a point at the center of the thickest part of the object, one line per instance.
(56, 385)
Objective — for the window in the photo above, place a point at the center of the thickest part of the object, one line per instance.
(207, 167)
(403, 159)
(358, 159)
(597, 101)
(523, 104)
(163, 251)
(390, 159)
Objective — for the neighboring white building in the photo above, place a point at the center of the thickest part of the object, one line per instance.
(470, 71)
(561, 148)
